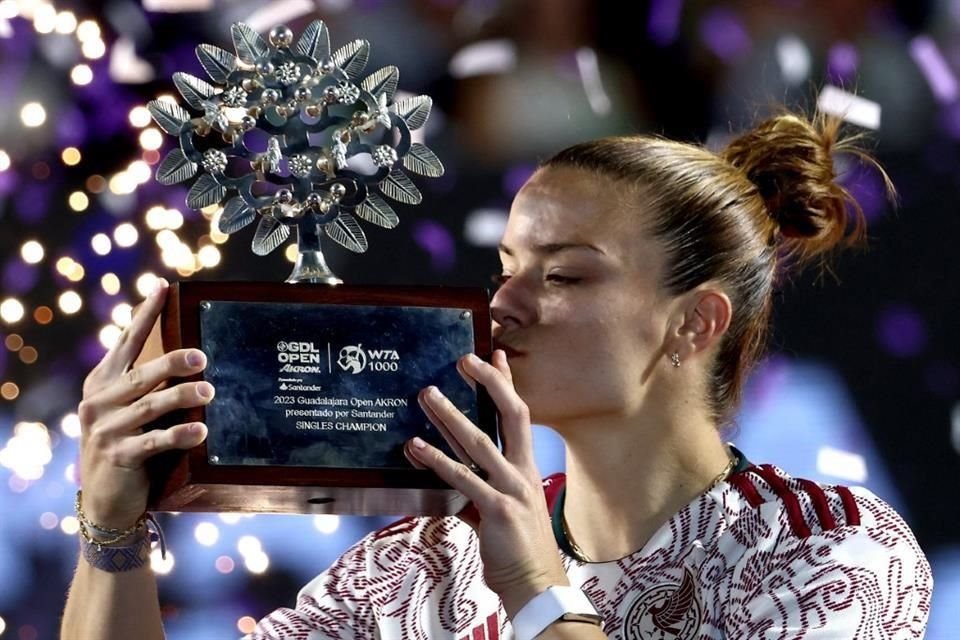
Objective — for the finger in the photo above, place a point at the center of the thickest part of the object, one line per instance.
(514, 414)
(465, 435)
(156, 404)
(131, 341)
(413, 460)
(132, 452)
(454, 473)
(466, 378)
(499, 360)
(141, 380)
(437, 421)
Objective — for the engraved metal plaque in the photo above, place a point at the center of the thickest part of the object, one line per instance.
(328, 385)
(316, 391)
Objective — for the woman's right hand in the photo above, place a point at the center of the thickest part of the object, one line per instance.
(119, 399)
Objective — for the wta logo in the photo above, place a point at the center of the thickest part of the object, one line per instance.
(354, 359)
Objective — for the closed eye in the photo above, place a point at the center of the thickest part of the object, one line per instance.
(558, 279)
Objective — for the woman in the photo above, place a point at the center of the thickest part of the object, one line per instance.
(637, 282)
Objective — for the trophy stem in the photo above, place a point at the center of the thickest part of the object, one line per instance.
(311, 266)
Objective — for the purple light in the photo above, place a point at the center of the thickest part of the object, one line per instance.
(103, 305)
(664, 21)
(19, 277)
(842, 63)
(438, 242)
(902, 331)
(867, 187)
(90, 352)
(8, 181)
(724, 34)
(33, 201)
(926, 54)
(950, 121)
(71, 128)
(767, 379)
(516, 177)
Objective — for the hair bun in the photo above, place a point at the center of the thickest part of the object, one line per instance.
(790, 160)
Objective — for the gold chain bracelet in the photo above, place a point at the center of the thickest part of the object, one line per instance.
(112, 536)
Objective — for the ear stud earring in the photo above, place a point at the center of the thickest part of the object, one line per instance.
(675, 359)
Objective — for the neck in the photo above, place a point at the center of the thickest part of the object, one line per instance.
(633, 475)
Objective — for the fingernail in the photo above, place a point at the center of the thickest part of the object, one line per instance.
(159, 286)
(196, 428)
(205, 389)
(434, 394)
(418, 443)
(195, 358)
(474, 358)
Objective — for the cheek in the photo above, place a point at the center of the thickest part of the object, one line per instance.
(589, 377)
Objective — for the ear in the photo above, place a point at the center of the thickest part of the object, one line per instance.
(702, 320)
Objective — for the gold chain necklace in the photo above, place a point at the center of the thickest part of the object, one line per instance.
(578, 553)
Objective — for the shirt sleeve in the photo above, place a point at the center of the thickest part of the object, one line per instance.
(332, 606)
(849, 582)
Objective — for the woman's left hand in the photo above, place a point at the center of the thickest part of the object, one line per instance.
(519, 552)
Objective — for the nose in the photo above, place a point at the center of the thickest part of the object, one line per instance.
(511, 306)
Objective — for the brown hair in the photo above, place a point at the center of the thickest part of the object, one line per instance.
(738, 218)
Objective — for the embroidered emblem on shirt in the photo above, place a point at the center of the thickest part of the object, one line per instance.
(665, 611)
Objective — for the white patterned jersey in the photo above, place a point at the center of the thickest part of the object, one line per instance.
(762, 555)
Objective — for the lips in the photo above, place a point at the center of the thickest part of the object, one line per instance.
(510, 351)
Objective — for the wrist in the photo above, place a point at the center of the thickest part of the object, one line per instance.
(515, 597)
(106, 519)
(558, 609)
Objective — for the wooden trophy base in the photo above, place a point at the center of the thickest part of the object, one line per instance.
(316, 391)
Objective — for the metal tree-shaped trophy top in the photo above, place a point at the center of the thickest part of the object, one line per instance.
(288, 133)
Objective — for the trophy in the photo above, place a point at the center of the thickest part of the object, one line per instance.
(316, 381)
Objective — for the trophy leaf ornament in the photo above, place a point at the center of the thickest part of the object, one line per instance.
(296, 136)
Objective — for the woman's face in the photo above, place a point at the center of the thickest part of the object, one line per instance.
(580, 311)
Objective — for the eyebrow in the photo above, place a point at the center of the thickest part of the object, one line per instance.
(554, 247)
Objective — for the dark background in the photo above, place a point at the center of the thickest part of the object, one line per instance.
(881, 324)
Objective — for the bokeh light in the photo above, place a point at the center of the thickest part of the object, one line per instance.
(70, 425)
(81, 75)
(110, 283)
(71, 156)
(101, 244)
(33, 114)
(32, 252)
(9, 390)
(69, 302)
(78, 201)
(88, 30)
(162, 565)
(146, 283)
(206, 533)
(109, 335)
(43, 314)
(126, 235)
(69, 525)
(11, 310)
(246, 624)
(87, 231)
(151, 139)
(139, 116)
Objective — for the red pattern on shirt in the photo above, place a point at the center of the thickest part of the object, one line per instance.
(769, 556)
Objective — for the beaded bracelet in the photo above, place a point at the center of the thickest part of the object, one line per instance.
(103, 552)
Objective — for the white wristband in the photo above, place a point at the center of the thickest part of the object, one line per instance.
(556, 603)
